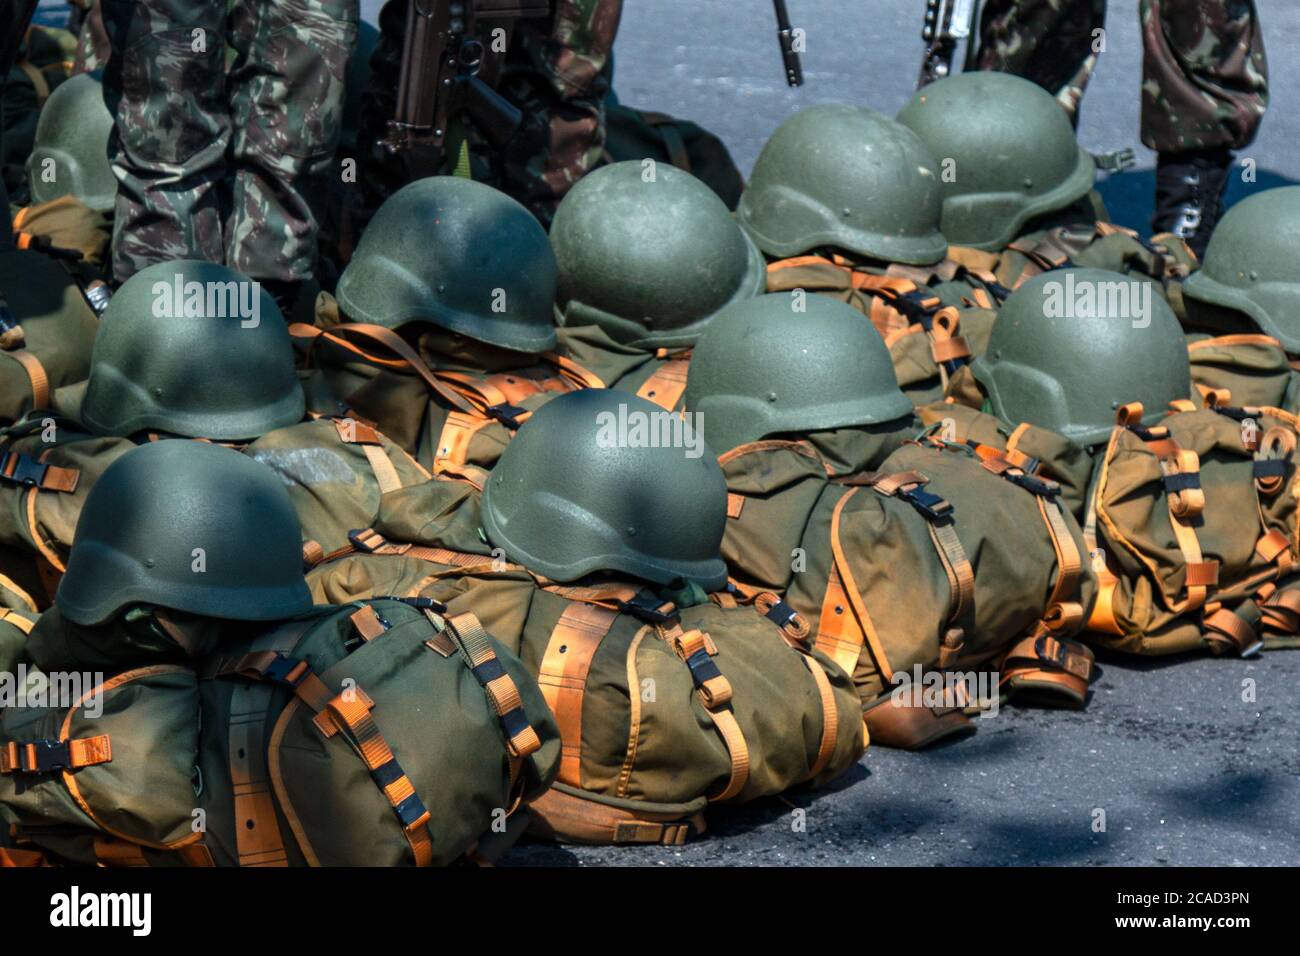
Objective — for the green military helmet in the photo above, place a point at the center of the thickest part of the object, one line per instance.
(1071, 346)
(649, 258)
(457, 254)
(70, 155)
(194, 349)
(187, 526)
(762, 368)
(1007, 150)
(847, 177)
(1252, 265)
(582, 489)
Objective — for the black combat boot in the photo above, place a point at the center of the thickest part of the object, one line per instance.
(1189, 193)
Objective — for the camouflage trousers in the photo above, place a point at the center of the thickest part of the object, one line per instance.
(212, 154)
(92, 39)
(557, 76)
(1204, 72)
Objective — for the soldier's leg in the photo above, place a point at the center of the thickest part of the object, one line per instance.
(92, 39)
(164, 83)
(1055, 43)
(1204, 91)
(286, 98)
(561, 91)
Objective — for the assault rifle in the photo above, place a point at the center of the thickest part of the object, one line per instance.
(785, 36)
(452, 55)
(946, 23)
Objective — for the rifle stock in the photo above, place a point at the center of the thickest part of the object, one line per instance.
(452, 53)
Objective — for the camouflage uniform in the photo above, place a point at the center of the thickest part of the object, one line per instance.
(92, 39)
(557, 75)
(210, 160)
(1204, 73)
(555, 72)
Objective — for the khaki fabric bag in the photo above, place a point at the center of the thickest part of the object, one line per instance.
(657, 375)
(1253, 368)
(1164, 258)
(308, 744)
(442, 417)
(663, 707)
(335, 469)
(928, 340)
(1195, 519)
(51, 344)
(645, 134)
(938, 559)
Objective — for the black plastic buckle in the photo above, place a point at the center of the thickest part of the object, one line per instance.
(1269, 468)
(421, 603)
(781, 613)
(507, 415)
(51, 755)
(647, 607)
(280, 669)
(1041, 487)
(26, 469)
(358, 537)
(929, 504)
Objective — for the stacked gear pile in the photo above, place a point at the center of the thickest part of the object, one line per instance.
(235, 724)
(638, 524)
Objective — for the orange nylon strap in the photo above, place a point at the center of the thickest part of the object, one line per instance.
(409, 358)
(11, 858)
(1049, 660)
(696, 649)
(667, 383)
(45, 756)
(865, 628)
(1280, 611)
(830, 715)
(521, 738)
(36, 375)
(561, 815)
(350, 713)
(19, 468)
(458, 431)
(1226, 630)
(1277, 443)
(577, 375)
(353, 432)
(563, 677)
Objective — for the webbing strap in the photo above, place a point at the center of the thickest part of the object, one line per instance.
(407, 357)
(563, 815)
(350, 712)
(48, 756)
(842, 586)
(667, 383)
(563, 677)
(36, 375)
(830, 715)
(521, 738)
(19, 469)
(697, 650)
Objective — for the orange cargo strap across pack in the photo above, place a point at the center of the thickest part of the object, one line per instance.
(667, 383)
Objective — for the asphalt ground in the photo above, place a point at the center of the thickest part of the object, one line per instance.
(1179, 761)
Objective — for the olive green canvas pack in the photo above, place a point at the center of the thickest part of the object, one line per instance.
(1236, 521)
(335, 470)
(323, 721)
(452, 416)
(1195, 519)
(663, 707)
(929, 338)
(14, 628)
(657, 375)
(645, 134)
(1253, 368)
(41, 500)
(1098, 245)
(56, 332)
(941, 559)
